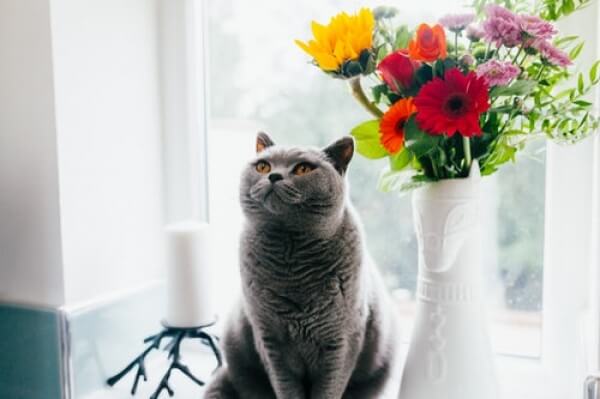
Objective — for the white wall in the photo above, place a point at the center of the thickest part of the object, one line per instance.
(108, 122)
(81, 210)
(30, 250)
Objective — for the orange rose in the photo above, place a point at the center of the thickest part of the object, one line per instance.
(429, 44)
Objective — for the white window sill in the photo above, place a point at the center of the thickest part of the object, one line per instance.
(520, 378)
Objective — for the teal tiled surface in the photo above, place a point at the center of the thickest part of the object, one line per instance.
(101, 338)
(30, 353)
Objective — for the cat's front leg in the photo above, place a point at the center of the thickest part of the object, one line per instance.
(333, 375)
(283, 380)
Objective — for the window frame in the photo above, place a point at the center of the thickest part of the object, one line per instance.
(568, 332)
(570, 299)
(184, 109)
(593, 326)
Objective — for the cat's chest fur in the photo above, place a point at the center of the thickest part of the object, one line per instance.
(304, 285)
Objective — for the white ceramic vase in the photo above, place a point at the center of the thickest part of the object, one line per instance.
(450, 354)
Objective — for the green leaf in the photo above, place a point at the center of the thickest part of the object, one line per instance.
(378, 91)
(562, 125)
(564, 93)
(518, 88)
(449, 63)
(503, 109)
(574, 53)
(402, 37)
(568, 7)
(367, 140)
(370, 62)
(381, 53)
(424, 74)
(514, 132)
(400, 160)
(546, 125)
(583, 120)
(580, 84)
(553, 10)
(502, 153)
(439, 68)
(400, 181)
(582, 103)
(594, 72)
(572, 97)
(391, 180)
(417, 141)
(537, 99)
(565, 40)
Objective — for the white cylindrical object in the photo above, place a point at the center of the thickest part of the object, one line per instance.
(188, 275)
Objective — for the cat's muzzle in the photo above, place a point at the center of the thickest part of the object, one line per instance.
(276, 197)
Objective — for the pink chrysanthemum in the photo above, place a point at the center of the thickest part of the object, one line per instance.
(552, 54)
(457, 22)
(498, 73)
(474, 33)
(502, 26)
(537, 28)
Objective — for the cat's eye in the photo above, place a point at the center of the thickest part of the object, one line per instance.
(263, 167)
(303, 168)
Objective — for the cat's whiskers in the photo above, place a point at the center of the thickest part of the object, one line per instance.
(287, 193)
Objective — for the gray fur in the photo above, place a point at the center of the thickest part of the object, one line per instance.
(314, 321)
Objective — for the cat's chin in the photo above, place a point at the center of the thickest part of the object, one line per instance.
(274, 205)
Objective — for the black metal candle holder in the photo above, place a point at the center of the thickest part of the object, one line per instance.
(177, 335)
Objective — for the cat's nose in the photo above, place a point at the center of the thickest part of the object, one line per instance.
(275, 177)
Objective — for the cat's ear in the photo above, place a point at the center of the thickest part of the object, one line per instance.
(263, 141)
(340, 153)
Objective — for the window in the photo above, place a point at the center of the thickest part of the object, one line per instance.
(262, 77)
(259, 80)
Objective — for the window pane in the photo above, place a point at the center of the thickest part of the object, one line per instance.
(258, 77)
(516, 268)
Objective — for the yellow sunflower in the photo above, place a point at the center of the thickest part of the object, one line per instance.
(342, 40)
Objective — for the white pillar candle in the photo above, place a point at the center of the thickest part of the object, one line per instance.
(189, 296)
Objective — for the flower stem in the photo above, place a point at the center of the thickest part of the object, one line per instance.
(525, 55)
(541, 70)
(359, 95)
(456, 46)
(514, 61)
(520, 64)
(434, 167)
(467, 149)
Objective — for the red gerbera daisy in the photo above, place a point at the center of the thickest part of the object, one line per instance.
(453, 104)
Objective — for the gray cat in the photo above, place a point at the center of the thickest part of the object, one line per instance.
(314, 321)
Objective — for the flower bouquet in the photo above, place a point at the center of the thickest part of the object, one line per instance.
(473, 86)
(452, 102)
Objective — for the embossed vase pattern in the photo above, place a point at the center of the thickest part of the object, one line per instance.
(450, 354)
